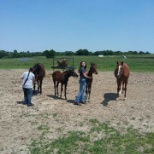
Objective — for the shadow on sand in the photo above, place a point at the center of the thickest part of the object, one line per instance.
(21, 102)
(55, 97)
(70, 101)
(109, 97)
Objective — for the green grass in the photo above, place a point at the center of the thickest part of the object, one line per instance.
(136, 63)
(101, 139)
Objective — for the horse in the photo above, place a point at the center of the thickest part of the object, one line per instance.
(121, 73)
(62, 77)
(89, 81)
(39, 72)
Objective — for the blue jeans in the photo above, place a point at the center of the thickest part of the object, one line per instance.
(80, 96)
(28, 92)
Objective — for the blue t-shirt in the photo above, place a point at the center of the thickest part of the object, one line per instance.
(82, 71)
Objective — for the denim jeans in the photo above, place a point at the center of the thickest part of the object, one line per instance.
(28, 92)
(80, 96)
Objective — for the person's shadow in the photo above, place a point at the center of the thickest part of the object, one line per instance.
(109, 97)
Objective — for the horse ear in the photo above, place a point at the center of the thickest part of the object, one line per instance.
(122, 63)
(117, 63)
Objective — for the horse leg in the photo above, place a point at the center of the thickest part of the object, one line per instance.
(86, 93)
(89, 92)
(65, 90)
(57, 88)
(40, 86)
(54, 86)
(118, 87)
(34, 85)
(34, 88)
(61, 89)
(125, 88)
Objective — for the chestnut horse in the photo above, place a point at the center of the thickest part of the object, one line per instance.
(39, 72)
(89, 81)
(122, 74)
(62, 77)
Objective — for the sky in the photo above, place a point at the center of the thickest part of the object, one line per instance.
(70, 25)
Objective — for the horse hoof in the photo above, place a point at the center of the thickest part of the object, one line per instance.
(117, 99)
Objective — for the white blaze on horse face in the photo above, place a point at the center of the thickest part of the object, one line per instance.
(119, 70)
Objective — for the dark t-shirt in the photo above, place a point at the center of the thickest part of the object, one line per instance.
(82, 71)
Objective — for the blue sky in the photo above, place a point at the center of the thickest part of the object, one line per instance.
(69, 25)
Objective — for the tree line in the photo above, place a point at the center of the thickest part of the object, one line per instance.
(51, 53)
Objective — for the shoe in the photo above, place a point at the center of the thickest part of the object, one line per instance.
(30, 104)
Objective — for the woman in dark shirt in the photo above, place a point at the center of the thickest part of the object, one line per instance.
(82, 71)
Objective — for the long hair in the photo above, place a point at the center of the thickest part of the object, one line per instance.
(31, 69)
(81, 66)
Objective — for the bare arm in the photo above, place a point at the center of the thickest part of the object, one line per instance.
(86, 76)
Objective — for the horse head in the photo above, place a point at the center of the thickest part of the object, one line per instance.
(93, 68)
(36, 69)
(120, 69)
(71, 72)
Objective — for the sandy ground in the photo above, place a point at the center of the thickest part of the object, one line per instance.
(19, 123)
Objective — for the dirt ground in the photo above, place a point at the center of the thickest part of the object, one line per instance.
(19, 123)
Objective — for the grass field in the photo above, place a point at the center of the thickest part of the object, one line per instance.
(107, 63)
(101, 139)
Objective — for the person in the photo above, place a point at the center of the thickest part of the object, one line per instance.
(28, 78)
(82, 83)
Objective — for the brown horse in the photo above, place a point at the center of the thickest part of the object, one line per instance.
(62, 77)
(39, 72)
(89, 81)
(122, 74)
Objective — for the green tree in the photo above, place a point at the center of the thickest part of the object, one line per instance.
(15, 54)
(82, 52)
(69, 53)
(49, 53)
(2, 53)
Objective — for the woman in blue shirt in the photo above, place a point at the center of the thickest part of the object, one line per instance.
(83, 76)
